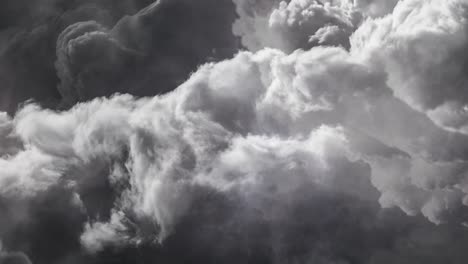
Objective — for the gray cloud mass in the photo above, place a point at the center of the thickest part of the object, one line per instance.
(237, 131)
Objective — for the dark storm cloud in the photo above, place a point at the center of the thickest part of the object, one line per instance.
(44, 228)
(170, 40)
(29, 30)
(311, 226)
(14, 258)
(144, 54)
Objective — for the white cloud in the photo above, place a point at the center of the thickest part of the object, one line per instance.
(290, 25)
(421, 47)
(98, 235)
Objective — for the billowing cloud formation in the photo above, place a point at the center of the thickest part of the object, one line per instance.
(141, 49)
(295, 24)
(402, 42)
(60, 52)
(202, 121)
(86, 49)
(253, 140)
(28, 33)
(282, 154)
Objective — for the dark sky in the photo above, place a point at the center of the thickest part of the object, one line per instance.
(233, 131)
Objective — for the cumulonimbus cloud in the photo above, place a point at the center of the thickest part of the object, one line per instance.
(269, 129)
(51, 53)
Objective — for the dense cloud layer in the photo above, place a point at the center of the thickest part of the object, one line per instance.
(339, 137)
(143, 54)
(435, 84)
(60, 52)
